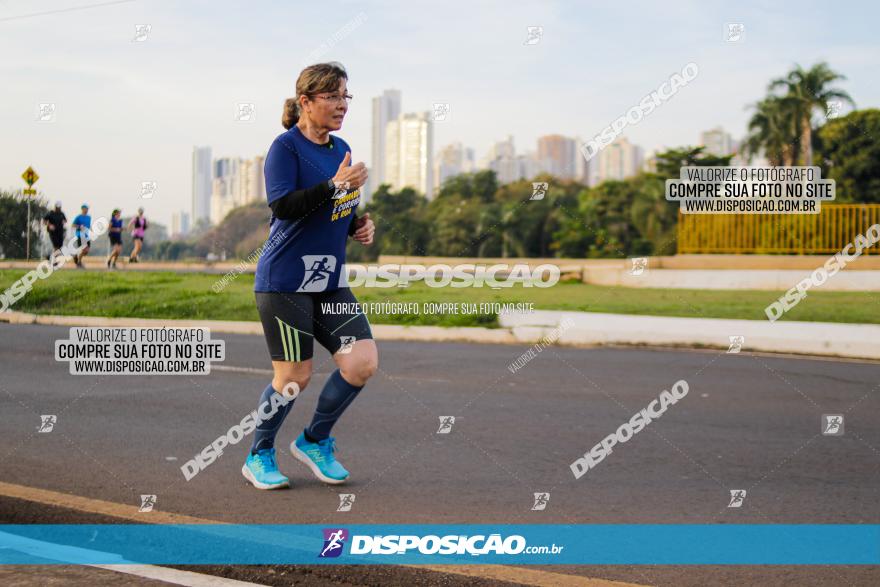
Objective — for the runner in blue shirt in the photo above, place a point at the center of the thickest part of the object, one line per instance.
(83, 226)
(313, 190)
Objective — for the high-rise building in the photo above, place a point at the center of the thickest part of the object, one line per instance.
(502, 159)
(452, 160)
(226, 188)
(409, 153)
(581, 164)
(201, 183)
(385, 109)
(253, 182)
(528, 166)
(619, 160)
(179, 223)
(717, 142)
(556, 156)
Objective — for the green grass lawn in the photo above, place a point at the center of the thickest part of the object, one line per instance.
(189, 295)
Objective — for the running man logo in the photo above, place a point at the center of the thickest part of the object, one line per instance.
(147, 503)
(334, 542)
(832, 424)
(47, 423)
(441, 111)
(736, 344)
(541, 501)
(148, 189)
(46, 112)
(833, 110)
(141, 32)
(318, 269)
(342, 188)
(533, 35)
(346, 500)
(737, 496)
(347, 344)
(639, 265)
(446, 423)
(539, 190)
(245, 112)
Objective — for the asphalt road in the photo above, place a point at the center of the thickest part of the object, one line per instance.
(748, 422)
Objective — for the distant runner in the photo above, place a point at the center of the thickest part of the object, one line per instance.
(83, 226)
(138, 224)
(55, 222)
(115, 234)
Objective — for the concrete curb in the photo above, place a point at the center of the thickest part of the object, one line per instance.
(380, 331)
(808, 338)
(584, 329)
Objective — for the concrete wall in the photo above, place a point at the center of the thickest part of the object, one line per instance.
(865, 262)
(774, 280)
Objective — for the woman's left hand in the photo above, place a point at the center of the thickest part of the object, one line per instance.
(365, 229)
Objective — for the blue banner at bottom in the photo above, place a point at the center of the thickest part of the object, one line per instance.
(606, 544)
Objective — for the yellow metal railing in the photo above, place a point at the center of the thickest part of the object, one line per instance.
(804, 234)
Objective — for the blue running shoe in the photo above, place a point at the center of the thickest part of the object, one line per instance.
(261, 470)
(319, 458)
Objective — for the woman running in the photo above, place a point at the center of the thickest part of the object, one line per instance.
(138, 224)
(115, 235)
(300, 290)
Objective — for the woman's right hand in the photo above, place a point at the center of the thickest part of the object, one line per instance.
(353, 175)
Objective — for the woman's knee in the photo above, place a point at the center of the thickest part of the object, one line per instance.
(291, 380)
(358, 371)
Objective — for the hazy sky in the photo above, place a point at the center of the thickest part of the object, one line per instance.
(128, 112)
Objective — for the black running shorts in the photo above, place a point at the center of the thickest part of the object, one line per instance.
(293, 321)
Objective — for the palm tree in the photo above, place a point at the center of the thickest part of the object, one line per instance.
(807, 90)
(773, 128)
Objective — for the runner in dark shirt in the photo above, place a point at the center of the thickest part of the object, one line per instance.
(55, 221)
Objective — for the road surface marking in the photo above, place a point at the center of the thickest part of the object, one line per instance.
(524, 576)
(96, 506)
(258, 371)
(175, 576)
(72, 554)
(520, 575)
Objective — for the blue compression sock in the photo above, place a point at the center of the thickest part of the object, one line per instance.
(264, 435)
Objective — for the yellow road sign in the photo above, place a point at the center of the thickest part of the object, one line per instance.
(30, 192)
(30, 176)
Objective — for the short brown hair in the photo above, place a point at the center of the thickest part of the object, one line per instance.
(314, 79)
